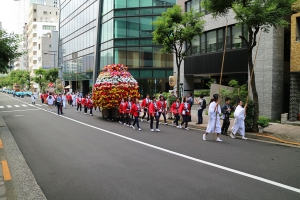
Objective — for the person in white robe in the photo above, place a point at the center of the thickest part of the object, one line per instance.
(73, 100)
(214, 125)
(64, 100)
(33, 97)
(239, 121)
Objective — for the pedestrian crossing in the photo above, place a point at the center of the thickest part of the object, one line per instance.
(21, 106)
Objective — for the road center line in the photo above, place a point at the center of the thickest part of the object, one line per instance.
(185, 156)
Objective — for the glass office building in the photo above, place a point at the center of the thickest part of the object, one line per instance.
(96, 33)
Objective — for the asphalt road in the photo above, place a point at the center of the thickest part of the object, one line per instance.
(78, 156)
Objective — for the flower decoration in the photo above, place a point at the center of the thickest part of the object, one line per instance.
(113, 84)
(50, 85)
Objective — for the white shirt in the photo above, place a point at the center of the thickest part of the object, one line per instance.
(200, 104)
(50, 101)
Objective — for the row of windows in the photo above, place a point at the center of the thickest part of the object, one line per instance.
(45, 27)
(78, 32)
(129, 42)
(78, 54)
(195, 5)
(79, 65)
(213, 41)
(75, 7)
(137, 57)
(82, 41)
(140, 11)
(143, 3)
(86, 16)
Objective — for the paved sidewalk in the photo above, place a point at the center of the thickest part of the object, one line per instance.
(276, 132)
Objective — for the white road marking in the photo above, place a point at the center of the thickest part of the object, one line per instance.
(37, 105)
(9, 106)
(17, 106)
(1, 106)
(18, 110)
(188, 157)
(24, 105)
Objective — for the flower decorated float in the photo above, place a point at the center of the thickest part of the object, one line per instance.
(51, 87)
(113, 84)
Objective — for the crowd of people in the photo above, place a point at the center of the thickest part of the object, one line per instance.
(153, 109)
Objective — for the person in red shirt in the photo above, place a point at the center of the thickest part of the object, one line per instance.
(42, 97)
(185, 111)
(163, 109)
(122, 111)
(175, 108)
(79, 101)
(84, 103)
(153, 112)
(89, 104)
(135, 110)
(145, 107)
(128, 109)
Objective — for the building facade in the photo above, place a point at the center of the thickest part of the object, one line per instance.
(96, 33)
(205, 60)
(42, 21)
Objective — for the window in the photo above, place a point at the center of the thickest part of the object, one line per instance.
(196, 45)
(132, 27)
(133, 57)
(45, 12)
(39, 46)
(120, 4)
(45, 27)
(236, 40)
(49, 45)
(146, 58)
(120, 28)
(220, 40)
(145, 3)
(211, 41)
(146, 27)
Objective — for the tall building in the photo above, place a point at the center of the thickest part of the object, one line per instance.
(96, 33)
(272, 63)
(42, 21)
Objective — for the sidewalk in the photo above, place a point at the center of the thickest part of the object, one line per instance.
(283, 133)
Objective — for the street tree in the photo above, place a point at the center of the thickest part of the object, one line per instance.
(9, 43)
(255, 15)
(51, 75)
(175, 30)
(40, 78)
(22, 77)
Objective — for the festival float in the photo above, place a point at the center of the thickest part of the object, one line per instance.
(51, 87)
(114, 83)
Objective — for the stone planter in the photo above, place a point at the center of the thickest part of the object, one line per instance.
(260, 130)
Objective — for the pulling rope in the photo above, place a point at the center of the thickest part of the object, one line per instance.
(224, 52)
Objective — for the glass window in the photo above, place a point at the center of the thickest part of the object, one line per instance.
(158, 58)
(220, 40)
(146, 58)
(202, 43)
(120, 42)
(228, 42)
(144, 3)
(133, 3)
(133, 42)
(132, 27)
(120, 55)
(236, 40)
(120, 27)
(146, 41)
(188, 6)
(195, 45)
(159, 10)
(169, 60)
(133, 12)
(195, 5)
(120, 3)
(146, 27)
(133, 57)
(146, 11)
(211, 41)
(120, 12)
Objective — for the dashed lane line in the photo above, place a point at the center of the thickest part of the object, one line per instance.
(1, 106)
(5, 170)
(17, 106)
(186, 156)
(9, 106)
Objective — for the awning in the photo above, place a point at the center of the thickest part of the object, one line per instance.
(68, 87)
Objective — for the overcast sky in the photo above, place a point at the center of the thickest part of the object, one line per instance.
(8, 15)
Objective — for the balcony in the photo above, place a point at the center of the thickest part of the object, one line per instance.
(34, 48)
(34, 57)
(35, 39)
(35, 67)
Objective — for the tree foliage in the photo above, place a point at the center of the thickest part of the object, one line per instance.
(9, 43)
(175, 30)
(255, 15)
(40, 78)
(51, 75)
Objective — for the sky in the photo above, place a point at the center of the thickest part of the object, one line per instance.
(8, 15)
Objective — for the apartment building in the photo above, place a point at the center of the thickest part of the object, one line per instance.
(42, 21)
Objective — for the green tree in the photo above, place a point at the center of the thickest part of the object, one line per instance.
(22, 77)
(51, 75)
(40, 78)
(9, 43)
(175, 30)
(255, 15)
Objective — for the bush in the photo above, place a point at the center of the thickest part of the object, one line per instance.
(202, 92)
(263, 121)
